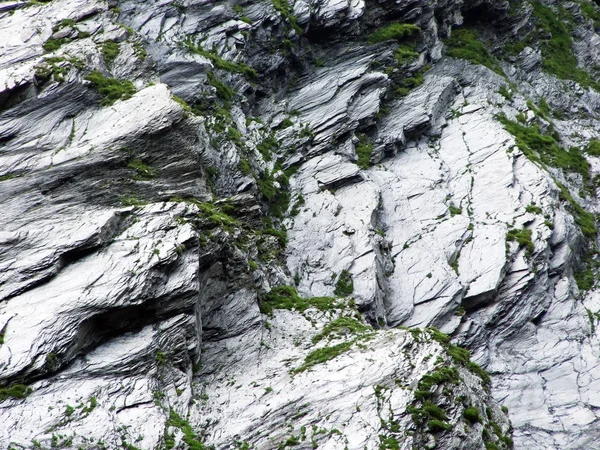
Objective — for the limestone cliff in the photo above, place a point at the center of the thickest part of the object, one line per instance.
(336, 224)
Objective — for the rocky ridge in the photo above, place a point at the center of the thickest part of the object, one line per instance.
(219, 220)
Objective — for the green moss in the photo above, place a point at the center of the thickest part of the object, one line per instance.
(454, 210)
(214, 216)
(504, 92)
(437, 426)
(533, 209)
(472, 415)
(278, 198)
(403, 86)
(433, 411)
(193, 441)
(523, 237)
(16, 391)
(593, 147)
(211, 215)
(465, 44)
(436, 378)
(143, 170)
(405, 54)
(590, 11)
(388, 442)
(557, 47)
(459, 355)
(161, 358)
(286, 11)
(324, 354)
(7, 176)
(285, 123)
(540, 147)
(339, 327)
(394, 31)
(110, 50)
(53, 44)
(281, 235)
(111, 89)
(585, 279)
(224, 92)
(128, 200)
(364, 150)
(344, 285)
(267, 146)
(187, 108)
(221, 63)
(286, 297)
(585, 220)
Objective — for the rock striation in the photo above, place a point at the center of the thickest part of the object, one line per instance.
(337, 224)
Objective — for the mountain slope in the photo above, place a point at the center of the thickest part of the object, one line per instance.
(253, 225)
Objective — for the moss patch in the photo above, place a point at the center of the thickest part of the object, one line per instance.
(465, 44)
(111, 89)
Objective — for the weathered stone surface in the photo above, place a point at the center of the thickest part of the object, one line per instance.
(139, 237)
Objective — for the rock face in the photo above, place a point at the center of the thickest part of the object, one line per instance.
(299, 224)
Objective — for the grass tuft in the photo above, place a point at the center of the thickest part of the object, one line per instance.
(111, 89)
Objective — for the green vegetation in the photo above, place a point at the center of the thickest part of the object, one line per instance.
(7, 176)
(523, 237)
(17, 391)
(438, 377)
(110, 50)
(143, 170)
(281, 235)
(557, 47)
(128, 200)
(454, 210)
(283, 7)
(193, 441)
(364, 149)
(459, 355)
(214, 216)
(344, 285)
(160, 357)
(211, 215)
(472, 414)
(408, 83)
(340, 327)
(590, 11)
(593, 147)
(585, 220)
(465, 44)
(504, 92)
(224, 92)
(533, 209)
(286, 297)
(221, 63)
(267, 147)
(186, 108)
(394, 31)
(543, 148)
(323, 354)
(436, 392)
(53, 44)
(285, 123)
(405, 53)
(111, 89)
(585, 278)
(278, 198)
(57, 67)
